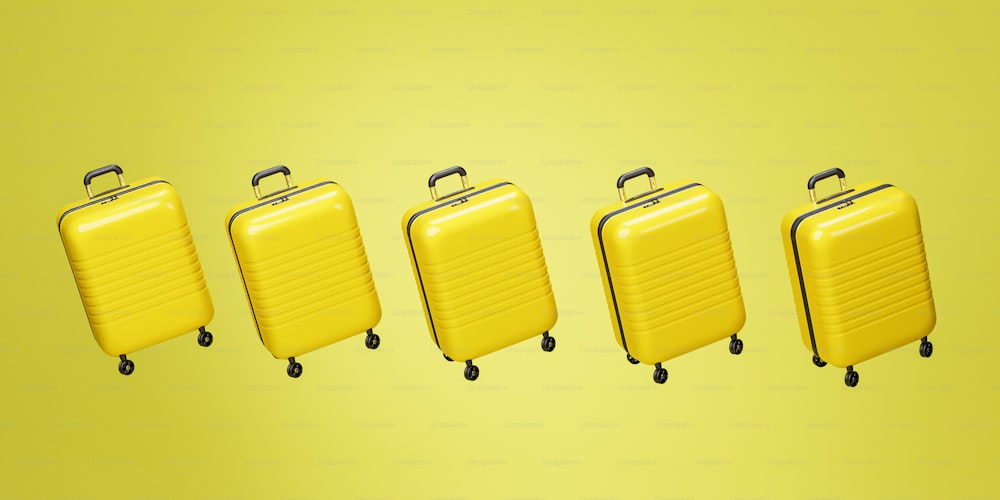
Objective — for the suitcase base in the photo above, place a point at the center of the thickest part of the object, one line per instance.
(660, 373)
(851, 378)
(127, 366)
(294, 370)
(472, 371)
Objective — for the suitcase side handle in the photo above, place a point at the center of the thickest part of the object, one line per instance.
(811, 185)
(436, 176)
(107, 169)
(255, 182)
(639, 172)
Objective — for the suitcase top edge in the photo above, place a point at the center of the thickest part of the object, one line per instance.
(410, 216)
(269, 199)
(81, 203)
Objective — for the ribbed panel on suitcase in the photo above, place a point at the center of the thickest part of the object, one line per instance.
(294, 285)
(140, 277)
(870, 288)
(486, 282)
(677, 285)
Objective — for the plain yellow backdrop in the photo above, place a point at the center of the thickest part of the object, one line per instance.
(748, 98)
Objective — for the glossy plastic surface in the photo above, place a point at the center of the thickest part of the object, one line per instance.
(672, 271)
(480, 270)
(864, 273)
(135, 266)
(304, 268)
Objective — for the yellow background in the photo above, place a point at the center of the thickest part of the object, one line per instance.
(559, 98)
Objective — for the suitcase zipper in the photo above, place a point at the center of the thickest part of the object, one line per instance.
(413, 252)
(106, 199)
(844, 203)
(229, 229)
(604, 256)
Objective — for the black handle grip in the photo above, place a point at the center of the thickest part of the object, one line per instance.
(436, 176)
(107, 169)
(823, 175)
(280, 169)
(639, 172)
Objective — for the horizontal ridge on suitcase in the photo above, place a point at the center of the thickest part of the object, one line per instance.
(668, 271)
(859, 273)
(135, 265)
(478, 263)
(304, 267)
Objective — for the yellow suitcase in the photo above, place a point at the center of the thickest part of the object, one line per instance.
(135, 265)
(668, 270)
(304, 267)
(478, 263)
(859, 273)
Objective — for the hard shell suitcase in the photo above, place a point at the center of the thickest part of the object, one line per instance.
(859, 273)
(668, 271)
(135, 265)
(304, 267)
(479, 267)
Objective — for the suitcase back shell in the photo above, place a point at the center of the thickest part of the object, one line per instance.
(668, 271)
(135, 265)
(478, 262)
(304, 267)
(859, 273)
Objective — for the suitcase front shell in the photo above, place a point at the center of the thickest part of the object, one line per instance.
(135, 264)
(858, 272)
(668, 270)
(477, 259)
(303, 266)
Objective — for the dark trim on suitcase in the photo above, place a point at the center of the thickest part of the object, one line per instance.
(604, 255)
(229, 230)
(798, 263)
(413, 252)
(105, 199)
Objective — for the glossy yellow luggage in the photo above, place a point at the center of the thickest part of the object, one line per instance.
(859, 273)
(479, 267)
(135, 265)
(304, 267)
(668, 270)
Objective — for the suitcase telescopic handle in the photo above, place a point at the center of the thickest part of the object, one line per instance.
(825, 175)
(436, 176)
(107, 169)
(280, 169)
(639, 172)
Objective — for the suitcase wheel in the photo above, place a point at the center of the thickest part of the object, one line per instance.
(926, 348)
(294, 369)
(471, 371)
(735, 346)
(204, 337)
(660, 374)
(548, 343)
(818, 361)
(851, 377)
(631, 359)
(372, 341)
(125, 366)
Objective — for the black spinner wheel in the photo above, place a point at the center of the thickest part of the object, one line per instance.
(471, 371)
(660, 374)
(294, 369)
